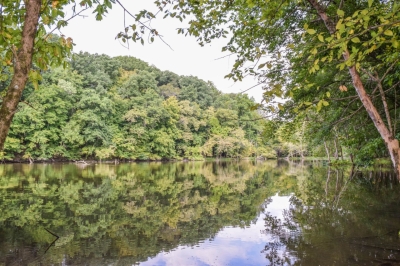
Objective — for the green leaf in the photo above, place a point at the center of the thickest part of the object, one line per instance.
(311, 31)
(341, 27)
(388, 32)
(261, 66)
(355, 40)
(339, 24)
(314, 51)
(35, 84)
(319, 106)
(370, 3)
(321, 38)
(340, 13)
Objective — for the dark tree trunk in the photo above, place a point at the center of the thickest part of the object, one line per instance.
(22, 65)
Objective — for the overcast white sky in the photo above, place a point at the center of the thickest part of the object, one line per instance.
(186, 58)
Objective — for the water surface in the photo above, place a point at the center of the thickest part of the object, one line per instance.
(197, 213)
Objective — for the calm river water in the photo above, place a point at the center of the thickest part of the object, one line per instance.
(197, 213)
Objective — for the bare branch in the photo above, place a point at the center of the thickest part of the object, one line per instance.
(382, 94)
(224, 56)
(73, 16)
(251, 87)
(347, 117)
(144, 25)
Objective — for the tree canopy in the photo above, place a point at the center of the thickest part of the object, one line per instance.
(28, 44)
(120, 108)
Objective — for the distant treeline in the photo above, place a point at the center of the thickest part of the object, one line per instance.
(123, 108)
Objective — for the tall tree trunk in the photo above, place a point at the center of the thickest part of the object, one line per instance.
(327, 151)
(392, 144)
(22, 65)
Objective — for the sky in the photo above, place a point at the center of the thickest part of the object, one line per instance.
(183, 57)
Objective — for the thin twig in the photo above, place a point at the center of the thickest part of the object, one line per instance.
(125, 27)
(223, 56)
(52, 233)
(390, 68)
(144, 25)
(251, 87)
(29, 105)
(347, 117)
(57, 237)
(344, 98)
(74, 15)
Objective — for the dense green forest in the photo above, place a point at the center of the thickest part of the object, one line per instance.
(123, 108)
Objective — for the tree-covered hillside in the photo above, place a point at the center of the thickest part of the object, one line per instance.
(123, 108)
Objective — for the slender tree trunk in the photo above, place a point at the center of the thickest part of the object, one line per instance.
(336, 149)
(337, 179)
(327, 182)
(341, 152)
(22, 65)
(383, 97)
(392, 144)
(301, 140)
(327, 151)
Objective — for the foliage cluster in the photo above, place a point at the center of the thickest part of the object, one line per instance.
(123, 108)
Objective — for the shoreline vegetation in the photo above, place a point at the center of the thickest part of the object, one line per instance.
(121, 109)
(94, 161)
(384, 163)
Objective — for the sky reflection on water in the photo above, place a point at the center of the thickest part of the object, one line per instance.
(231, 246)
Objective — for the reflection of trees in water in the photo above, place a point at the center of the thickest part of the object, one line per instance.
(127, 212)
(340, 217)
